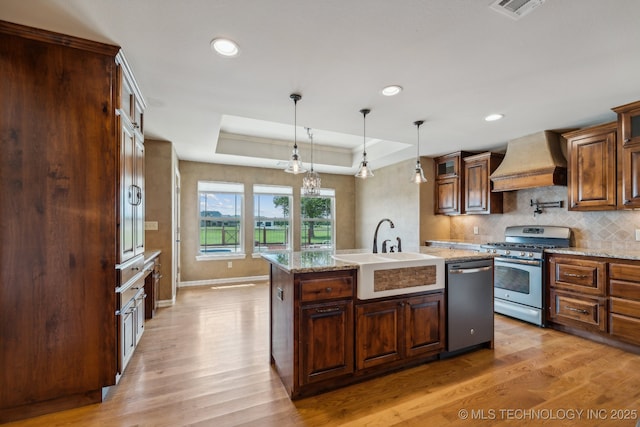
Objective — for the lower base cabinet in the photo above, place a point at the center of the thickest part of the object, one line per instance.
(393, 330)
(326, 338)
(624, 286)
(322, 337)
(131, 320)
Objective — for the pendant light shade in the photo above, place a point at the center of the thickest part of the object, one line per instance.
(295, 164)
(364, 171)
(311, 182)
(418, 174)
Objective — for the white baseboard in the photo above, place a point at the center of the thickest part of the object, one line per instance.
(167, 302)
(227, 281)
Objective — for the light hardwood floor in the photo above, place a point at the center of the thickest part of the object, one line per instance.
(205, 362)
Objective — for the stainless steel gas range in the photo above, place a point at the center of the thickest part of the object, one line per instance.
(519, 269)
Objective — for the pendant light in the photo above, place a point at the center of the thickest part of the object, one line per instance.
(311, 181)
(364, 171)
(295, 164)
(418, 175)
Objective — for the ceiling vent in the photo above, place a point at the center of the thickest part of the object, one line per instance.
(515, 9)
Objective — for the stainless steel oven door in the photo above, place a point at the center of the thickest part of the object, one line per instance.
(518, 280)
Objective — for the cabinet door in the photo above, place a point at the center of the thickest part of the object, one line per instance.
(127, 335)
(128, 192)
(630, 176)
(447, 194)
(424, 325)
(139, 202)
(379, 329)
(326, 341)
(629, 123)
(592, 168)
(139, 314)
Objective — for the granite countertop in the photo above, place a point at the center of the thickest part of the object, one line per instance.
(604, 253)
(317, 261)
(307, 262)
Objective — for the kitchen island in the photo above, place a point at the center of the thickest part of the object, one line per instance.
(323, 337)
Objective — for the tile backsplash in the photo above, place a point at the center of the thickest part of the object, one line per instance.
(613, 230)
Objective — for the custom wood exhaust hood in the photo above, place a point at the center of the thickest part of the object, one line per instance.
(531, 161)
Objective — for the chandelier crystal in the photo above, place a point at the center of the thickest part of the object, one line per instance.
(311, 182)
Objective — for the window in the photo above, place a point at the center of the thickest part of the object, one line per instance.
(271, 218)
(220, 214)
(316, 221)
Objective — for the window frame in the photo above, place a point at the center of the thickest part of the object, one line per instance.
(325, 193)
(273, 190)
(221, 187)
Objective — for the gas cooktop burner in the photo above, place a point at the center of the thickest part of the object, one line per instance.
(516, 246)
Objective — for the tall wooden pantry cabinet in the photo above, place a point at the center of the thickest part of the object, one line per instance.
(60, 213)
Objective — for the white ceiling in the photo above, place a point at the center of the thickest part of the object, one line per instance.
(562, 66)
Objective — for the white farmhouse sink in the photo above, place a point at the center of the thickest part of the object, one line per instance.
(397, 273)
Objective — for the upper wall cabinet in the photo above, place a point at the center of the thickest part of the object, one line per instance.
(130, 116)
(462, 183)
(448, 183)
(629, 155)
(478, 198)
(592, 168)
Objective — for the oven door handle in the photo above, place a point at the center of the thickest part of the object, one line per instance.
(519, 261)
(471, 270)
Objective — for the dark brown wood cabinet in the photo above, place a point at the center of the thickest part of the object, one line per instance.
(326, 341)
(449, 181)
(624, 289)
(401, 328)
(312, 328)
(478, 197)
(629, 155)
(578, 292)
(592, 183)
(60, 172)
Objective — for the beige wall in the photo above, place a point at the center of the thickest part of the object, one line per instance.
(389, 194)
(160, 164)
(600, 230)
(192, 172)
(432, 227)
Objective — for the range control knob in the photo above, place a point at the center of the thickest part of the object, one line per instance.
(493, 251)
(531, 254)
(521, 253)
(507, 252)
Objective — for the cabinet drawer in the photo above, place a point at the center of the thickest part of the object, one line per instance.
(625, 328)
(626, 272)
(586, 313)
(621, 289)
(584, 276)
(326, 288)
(626, 307)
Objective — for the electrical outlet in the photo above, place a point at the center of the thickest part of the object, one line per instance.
(151, 225)
(229, 264)
(638, 234)
(475, 230)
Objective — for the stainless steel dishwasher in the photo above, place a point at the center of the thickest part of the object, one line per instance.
(469, 304)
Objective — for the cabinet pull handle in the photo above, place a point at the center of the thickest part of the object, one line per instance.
(580, 276)
(627, 140)
(328, 290)
(578, 310)
(328, 310)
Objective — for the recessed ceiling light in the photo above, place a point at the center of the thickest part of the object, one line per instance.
(391, 90)
(493, 117)
(225, 47)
